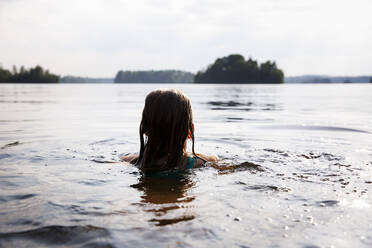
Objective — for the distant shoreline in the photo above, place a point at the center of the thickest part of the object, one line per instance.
(315, 79)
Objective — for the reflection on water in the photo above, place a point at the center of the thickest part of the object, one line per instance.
(245, 99)
(164, 193)
(239, 106)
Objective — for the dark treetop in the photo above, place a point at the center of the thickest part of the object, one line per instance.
(235, 69)
(32, 75)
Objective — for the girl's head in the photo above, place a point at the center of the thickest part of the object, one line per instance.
(166, 122)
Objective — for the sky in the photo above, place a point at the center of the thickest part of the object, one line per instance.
(96, 38)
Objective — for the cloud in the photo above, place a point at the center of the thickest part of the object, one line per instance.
(99, 37)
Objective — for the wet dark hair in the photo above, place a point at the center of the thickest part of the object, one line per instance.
(166, 121)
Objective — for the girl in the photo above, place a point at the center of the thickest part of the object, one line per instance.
(167, 122)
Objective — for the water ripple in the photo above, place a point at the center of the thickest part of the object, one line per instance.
(57, 235)
(16, 143)
(16, 197)
(316, 128)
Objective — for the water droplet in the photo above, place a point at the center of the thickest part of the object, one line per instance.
(238, 219)
(269, 219)
(310, 219)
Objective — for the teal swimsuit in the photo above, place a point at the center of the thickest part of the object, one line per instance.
(190, 162)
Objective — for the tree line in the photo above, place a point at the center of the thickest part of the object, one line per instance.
(328, 79)
(23, 75)
(83, 80)
(235, 69)
(230, 69)
(161, 76)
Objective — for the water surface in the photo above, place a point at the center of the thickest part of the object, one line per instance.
(300, 161)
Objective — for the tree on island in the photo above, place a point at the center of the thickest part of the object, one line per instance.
(235, 69)
(162, 76)
(370, 79)
(32, 75)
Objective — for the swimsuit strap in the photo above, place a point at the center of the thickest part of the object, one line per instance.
(190, 162)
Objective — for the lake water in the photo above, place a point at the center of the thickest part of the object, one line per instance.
(300, 174)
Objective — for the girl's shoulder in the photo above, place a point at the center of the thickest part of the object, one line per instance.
(199, 160)
(130, 158)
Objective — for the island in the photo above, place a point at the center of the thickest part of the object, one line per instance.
(85, 80)
(160, 76)
(32, 75)
(236, 70)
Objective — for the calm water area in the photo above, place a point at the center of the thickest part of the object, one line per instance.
(296, 168)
